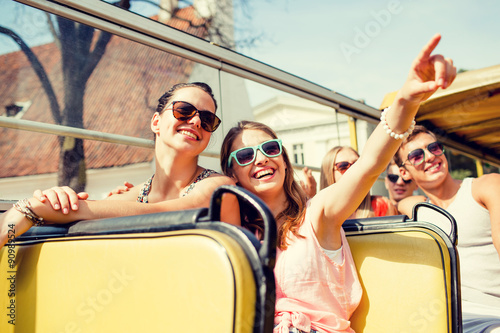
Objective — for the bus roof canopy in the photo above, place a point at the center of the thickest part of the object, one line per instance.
(466, 116)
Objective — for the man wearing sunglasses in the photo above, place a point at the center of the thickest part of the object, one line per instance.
(397, 187)
(475, 205)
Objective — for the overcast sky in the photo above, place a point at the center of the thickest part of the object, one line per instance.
(363, 49)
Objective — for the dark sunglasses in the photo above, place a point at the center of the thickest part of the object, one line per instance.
(394, 178)
(342, 166)
(185, 111)
(417, 156)
(245, 156)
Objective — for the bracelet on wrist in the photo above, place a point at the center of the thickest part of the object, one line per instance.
(390, 132)
(24, 207)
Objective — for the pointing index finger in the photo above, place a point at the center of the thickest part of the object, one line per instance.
(429, 47)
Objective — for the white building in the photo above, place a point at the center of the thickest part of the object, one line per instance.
(309, 130)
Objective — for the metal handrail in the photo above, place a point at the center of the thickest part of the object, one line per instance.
(80, 133)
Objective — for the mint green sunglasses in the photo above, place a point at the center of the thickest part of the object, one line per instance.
(245, 156)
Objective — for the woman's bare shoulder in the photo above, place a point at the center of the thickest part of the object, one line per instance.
(220, 178)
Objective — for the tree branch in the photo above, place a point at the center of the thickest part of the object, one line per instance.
(96, 55)
(53, 31)
(100, 47)
(40, 72)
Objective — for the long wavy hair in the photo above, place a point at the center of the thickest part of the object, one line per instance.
(327, 178)
(294, 212)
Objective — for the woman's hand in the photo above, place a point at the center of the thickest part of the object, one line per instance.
(61, 198)
(427, 74)
(309, 183)
(121, 189)
(12, 224)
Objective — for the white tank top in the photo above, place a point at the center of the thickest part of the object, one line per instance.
(479, 260)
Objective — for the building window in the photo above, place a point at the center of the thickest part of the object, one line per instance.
(16, 110)
(298, 153)
(12, 109)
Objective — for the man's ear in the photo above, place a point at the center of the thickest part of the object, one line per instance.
(155, 123)
(405, 174)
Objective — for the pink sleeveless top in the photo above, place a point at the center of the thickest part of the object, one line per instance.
(312, 291)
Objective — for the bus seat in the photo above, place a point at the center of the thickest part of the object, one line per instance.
(167, 272)
(409, 273)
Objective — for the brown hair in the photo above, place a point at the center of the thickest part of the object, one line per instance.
(164, 100)
(296, 198)
(327, 178)
(419, 129)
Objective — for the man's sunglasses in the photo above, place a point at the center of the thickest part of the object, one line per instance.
(245, 156)
(342, 166)
(417, 156)
(185, 111)
(394, 178)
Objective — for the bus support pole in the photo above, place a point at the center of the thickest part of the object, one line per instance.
(352, 133)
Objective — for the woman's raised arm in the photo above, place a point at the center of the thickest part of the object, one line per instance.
(335, 204)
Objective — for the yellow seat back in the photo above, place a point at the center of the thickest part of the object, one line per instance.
(170, 272)
(186, 281)
(409, 274)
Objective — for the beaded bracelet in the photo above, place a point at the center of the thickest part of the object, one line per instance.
(390, 132)
(25, 208)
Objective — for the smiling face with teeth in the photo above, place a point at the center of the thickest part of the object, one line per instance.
(265, 176)
(434, 169)
(181, 135)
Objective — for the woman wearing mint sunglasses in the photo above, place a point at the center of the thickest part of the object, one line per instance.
(317, 287)
(245, 156)
(182, 125)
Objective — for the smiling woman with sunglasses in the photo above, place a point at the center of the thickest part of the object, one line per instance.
(245, 156)
(475, 205)
(185, 111)
(182, 125)
(317, 287)
(335, 164)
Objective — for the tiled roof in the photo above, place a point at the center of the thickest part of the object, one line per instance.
(120, 97)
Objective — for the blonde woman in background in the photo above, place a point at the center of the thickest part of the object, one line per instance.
(335, 163)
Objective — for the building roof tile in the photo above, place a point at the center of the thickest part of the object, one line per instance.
(120, 98)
